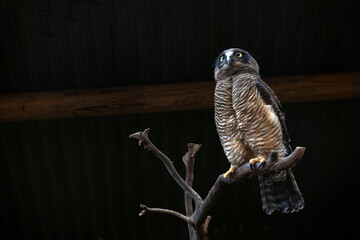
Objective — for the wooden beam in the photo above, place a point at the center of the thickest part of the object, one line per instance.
(169, 97)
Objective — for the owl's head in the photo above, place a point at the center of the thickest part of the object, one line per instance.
(235, 61)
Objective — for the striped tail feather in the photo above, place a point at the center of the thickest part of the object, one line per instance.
(280, 192)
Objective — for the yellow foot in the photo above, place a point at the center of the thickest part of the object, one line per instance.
(253, 161)
(230, 171)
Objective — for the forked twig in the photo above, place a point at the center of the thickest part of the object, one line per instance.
(149, 146)
(198, 220)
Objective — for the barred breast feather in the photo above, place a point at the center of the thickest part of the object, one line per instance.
(258, 124)
(226, 122)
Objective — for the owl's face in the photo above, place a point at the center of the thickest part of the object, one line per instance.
(234, 61)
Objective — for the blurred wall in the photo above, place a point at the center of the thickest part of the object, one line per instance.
(83, 178)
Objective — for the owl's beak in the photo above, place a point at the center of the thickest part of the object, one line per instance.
(229, 60)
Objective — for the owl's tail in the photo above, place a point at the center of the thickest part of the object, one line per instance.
(280, 192)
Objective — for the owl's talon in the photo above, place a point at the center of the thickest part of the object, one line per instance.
(252, 167)
(231, 172)
(253, 162)
(226, 175)
(262, 164)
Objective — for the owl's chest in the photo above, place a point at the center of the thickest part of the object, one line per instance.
(241, 113)
(225, 117)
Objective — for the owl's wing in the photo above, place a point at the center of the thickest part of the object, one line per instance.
(271, 99)
(279, 191)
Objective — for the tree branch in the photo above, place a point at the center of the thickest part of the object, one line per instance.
(149, 146)
(188, 160)
(167, 211)
(272, 165)
(199, 219)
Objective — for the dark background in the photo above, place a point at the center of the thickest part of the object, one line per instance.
(82, 178)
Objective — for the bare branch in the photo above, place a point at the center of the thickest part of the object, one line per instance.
(141, 136)
(241, 173)
(149, 146)
(202, 231)
(167, 211)
(199, 219)
(189, 160)
(288, 162)
(206, 224)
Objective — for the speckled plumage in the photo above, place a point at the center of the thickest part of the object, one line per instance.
(251, 124)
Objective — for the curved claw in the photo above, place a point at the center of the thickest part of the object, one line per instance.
(253, 162)
(226, 175)
(262, 164)
(231, 172)
(252, 167)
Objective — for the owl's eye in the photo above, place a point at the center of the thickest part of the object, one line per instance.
(238, 55)
(221, 58)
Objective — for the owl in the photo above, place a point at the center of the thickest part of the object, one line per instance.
(251, 124)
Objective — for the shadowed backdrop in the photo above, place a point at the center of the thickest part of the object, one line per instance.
(83, 178)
